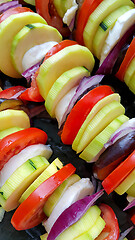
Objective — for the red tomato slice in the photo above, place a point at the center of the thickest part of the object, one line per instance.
(58, 47)
(119, 174)
(102, 173)
(32, 93)
(15, 10)
(47, 10)
(15, 142)
(80, 111)
(10, 92)
(86, 9)
(133, 219)
(30, 213)
(130, 54)
(112, 226)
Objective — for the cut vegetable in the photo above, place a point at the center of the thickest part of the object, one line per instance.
(103, 10)
(62, 85)
(119, 174)
(15, 142)
(80, 111)
(13, 118)
(8, 29)
(62, 106)
(30, 36)
(104, 28)
(94, 149)
(48, 172)
(99, 122)
(20, 158)
(98, 106)
(126, 183)
(30, 213)
(70, 223)
(122, 24)
(67, 58)
(75, 192)
(58, 193)
(20, 180)
(9, 131)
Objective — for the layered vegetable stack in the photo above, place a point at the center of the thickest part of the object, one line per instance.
(105, 27)
(90, 115)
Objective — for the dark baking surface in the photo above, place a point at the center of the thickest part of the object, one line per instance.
(66, 154)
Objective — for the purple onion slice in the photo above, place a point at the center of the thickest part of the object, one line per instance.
(124, 129)
(30, 71)
(130, 205)
(125, 233)
(7, 5)
(72, 214)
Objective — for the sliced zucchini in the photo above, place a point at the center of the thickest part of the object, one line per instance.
(93, 232)
(9, 131)
(62, 85)
(129, 71)
(100, 13)
(19, 181)
(32, 2)
(59, 5)
(8, 29)
(13, 118)
(86, 222)
(104, 27)
(64, 60)
(98, 106)
(95, 147)
(126, 183)
(29, 36)
(98, 123)
(49, 171)
(131, 83)
(131, 191)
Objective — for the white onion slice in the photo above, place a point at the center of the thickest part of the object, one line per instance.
(36, 54)
(20, 158)
(77, 191)
(63, 105)
(70, 13)
(122, 24)
(124, 129)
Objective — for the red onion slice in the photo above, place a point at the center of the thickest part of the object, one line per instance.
(130, 205)
(124, 129)
(30, 71)
(85, 84)
(72, 214)
(125, 233)
(7, 5)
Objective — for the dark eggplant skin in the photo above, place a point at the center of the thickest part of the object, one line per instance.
(119, 150)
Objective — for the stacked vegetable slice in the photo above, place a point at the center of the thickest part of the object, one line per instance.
(22, 156)
(105, 27)
(23, 31)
